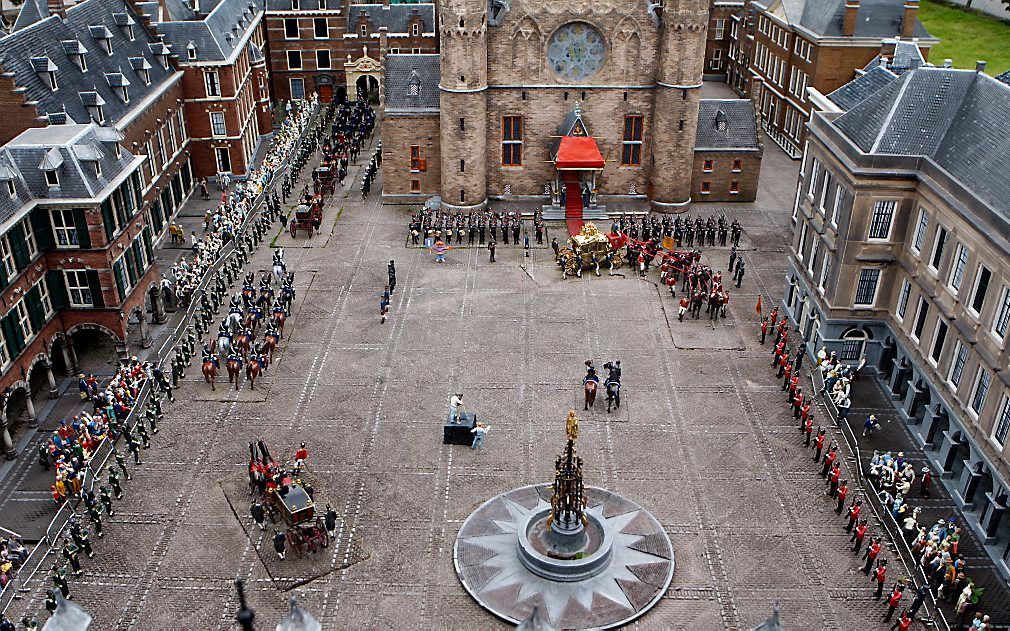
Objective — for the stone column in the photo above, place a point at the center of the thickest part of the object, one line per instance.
(886, 363)
(932, 418)
(8, 444)
(912, 402)
(33, 418)
(122, 351)
(145, 333)
(948, 452)
(968, 485)
(157, 305)
(70, 355)
(896, 385)
(54, 392)
(991, 516)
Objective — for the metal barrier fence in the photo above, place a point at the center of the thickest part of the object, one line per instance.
(41, 551)
(883, 515)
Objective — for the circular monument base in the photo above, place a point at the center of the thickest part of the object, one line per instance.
(623, 568)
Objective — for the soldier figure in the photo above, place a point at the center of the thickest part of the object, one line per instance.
(96, 520)
(279, 543)
(258, 514)
(842, 493)
(106, 499)
(858, 534)
(819, 443)
(114, 483)
(330, 521)
(121, 462)
(60, 581)
(70, 553)
(142, 432)
(854, 511)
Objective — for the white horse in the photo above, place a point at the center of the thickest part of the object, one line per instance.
(279, 267)
(223, 345)
(234, 321)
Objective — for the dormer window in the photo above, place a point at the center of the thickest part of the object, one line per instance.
(191, 51)
(52, 179)
(415, 30)
(161, 51)
(322, 5)
(142, 68)
(295, 5)
(414, 87)
(364, 30)
(8, 175)
(76, 51)
(124, 93)
(721, 123)
(11, 189)
(98, 114)
(119, 83)
(46, 70)
(104, 36)
(126, 22)
(98, 168)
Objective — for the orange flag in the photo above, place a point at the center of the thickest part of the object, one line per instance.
(758, 307)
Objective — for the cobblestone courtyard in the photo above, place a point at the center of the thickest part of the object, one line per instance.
(702, 441)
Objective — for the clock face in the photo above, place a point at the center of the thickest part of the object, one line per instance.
(576, 51)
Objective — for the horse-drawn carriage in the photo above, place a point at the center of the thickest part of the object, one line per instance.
(285, 498)
(324, 180)
(307, 216)
(586, 245)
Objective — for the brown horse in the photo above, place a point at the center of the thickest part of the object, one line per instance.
(268, 348)
(252, 371)
(235, 372)
(242, 343)
(210, 373)
(590, 389)
(280, 315)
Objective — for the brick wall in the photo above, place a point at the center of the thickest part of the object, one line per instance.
(713, 67)
(18, 115)
(398, 134)
(721, 176)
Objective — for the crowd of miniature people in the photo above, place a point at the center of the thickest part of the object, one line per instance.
(891, 477)
(13, 554)
(685, 231)
(222, 223)
(478, 228)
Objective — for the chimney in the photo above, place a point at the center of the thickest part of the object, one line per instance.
(948, 63)
(385, 4)
(849, 21)
(979, 66)
(909, 17)
(56, 7)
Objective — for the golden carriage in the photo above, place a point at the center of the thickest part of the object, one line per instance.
(589, 242)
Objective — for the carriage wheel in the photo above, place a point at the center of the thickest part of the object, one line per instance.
(293, 230)
(617, 260)
(570, 266)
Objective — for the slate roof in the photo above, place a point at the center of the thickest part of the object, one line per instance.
(876, 18)
(960, 119)
(853, 92)
(726, 124)
(423, 71)
(906, 57)
(72, 150)
(395, 17)
(215, 35)
(1004, 77)
(46, 38)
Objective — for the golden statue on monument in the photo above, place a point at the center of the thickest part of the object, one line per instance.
(572, 425)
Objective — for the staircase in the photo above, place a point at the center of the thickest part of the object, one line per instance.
(573, 195)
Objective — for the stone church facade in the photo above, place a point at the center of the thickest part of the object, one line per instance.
(488, 118)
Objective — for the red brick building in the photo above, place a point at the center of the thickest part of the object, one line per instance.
(721, 14)
(76, 252)
(334, 49)
(225, 81)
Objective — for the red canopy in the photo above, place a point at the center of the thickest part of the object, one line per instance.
(579, 152)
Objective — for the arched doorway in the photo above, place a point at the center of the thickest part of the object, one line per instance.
(341, 94)
(96, 348)
(853, 344)
(367, 88)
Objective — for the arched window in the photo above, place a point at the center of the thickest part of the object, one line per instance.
(853, 344)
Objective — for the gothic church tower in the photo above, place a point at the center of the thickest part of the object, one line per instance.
(463, 103)
(683, 25)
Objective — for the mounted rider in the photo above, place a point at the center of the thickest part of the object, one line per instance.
(209, 356)
(590, 373)
(613, 371)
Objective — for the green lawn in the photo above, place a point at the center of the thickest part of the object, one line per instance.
(966, 37)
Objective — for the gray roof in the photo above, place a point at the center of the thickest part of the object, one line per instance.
(960, 119)
(395, 17)
(876, 18)
(726, 124)
(213, 34)
(906, 56)
(422, 71)
(31, 12)
(853, 92)
(1004, 77)
(46, 38)
(72, 151)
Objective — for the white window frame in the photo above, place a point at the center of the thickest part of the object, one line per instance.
(983, 381)
(78, 289)
(880, 208)
(297, 28)
(940, 230)
(12, 189)
(47, 303)
(23, 321)
(52, 178)
(9, 269)
(293, 54)
(802, 243)
(329, 56)
(30, 242)
(902, 307)
(815, 171)
(217, 159)
(935, 359)
(315, 29)
(814, 244)
(921, 226)
(218, 124)
(969, 304)
(825, 268)
(291, 85)
(876, 288)
(1001, 427)
(923, 305)
(64, 231)
(957, 365)
(212, 82)
(956, 276)
(720, 29)
(1001, 317)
